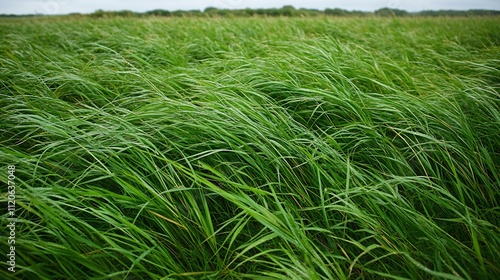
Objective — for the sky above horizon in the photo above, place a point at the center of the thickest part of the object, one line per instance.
(88, 6)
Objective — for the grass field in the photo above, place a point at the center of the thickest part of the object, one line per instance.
(297, 148)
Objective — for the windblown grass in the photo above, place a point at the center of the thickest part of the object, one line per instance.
(252, 148)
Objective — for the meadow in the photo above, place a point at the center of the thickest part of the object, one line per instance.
(251, 148)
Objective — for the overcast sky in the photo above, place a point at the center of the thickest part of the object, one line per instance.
(88, 6)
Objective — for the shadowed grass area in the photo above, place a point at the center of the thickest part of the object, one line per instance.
(314, 148)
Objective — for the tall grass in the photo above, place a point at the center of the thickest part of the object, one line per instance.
(252, 148)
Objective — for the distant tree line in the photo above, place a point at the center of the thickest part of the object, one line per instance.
(290, 11)
(285, 11)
